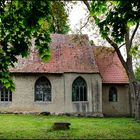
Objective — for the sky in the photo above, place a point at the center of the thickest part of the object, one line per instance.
(76, 14)
(78, 17)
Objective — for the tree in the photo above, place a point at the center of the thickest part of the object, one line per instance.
(135, 52)
(114, 19)
(59, 20)
(19, 22)
(137, 73)
(22, 20)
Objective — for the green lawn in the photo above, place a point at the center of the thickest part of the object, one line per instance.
(40, 127)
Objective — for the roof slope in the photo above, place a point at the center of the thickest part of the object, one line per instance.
(109, 65)
(69, 53)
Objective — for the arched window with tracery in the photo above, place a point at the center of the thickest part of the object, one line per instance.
(113, 94)
(42, 89)
(79, 90)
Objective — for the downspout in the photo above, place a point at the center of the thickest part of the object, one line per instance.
(64, 94)
(92, 95)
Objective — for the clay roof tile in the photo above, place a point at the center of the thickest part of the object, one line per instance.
(109, 65)
(69, 53)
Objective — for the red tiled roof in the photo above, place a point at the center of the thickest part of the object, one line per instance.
(69, 53)
(109, 65)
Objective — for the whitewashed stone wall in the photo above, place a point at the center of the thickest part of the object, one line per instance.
(119, 108)
(23, 97)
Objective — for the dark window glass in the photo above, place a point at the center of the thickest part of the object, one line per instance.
(5, 95)
(113, 94)
(79, 90)
(81, 94)
(42, 89)
(85, 93)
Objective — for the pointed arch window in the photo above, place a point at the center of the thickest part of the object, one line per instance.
(42, 89)
(113, 94)
(79, 90)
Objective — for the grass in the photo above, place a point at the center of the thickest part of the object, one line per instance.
(40, 127)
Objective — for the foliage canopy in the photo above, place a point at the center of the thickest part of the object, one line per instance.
(137, 73)
(114, 17)
(22, 20)
(59, 20)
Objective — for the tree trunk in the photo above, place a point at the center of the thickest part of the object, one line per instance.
(137, 114)
(137, 100)
(134, 94)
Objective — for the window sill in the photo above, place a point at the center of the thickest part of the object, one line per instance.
(80, 101)
(43, 102)
(113, 101)
(5, 103)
